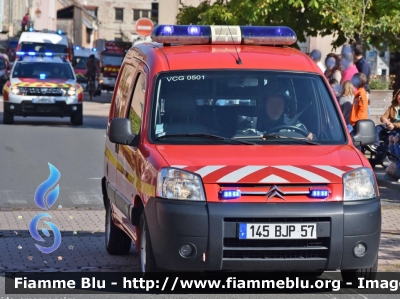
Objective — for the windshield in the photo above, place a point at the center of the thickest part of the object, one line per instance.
(43, 47)
(244, 105)
(43, 70)
(80, 62)
(111, 60)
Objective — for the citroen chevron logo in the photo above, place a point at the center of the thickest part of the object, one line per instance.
(275, 191)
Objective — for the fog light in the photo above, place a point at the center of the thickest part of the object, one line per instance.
(12, 107)
(186, 250)
(74, 108)
(359, 250)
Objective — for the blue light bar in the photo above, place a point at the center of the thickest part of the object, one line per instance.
(59, 32)
(182, 34)
(77, 48)
(20, 53)
(204, 34)
(30, 29)
(230, 194)
(94, 49)
(31, 53)
(42, 76)
(321, 193)
(48, 54)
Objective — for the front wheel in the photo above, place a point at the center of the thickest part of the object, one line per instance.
(367, 273)
(117, 241)
(147, 260)
(8, 118)
(77, 119)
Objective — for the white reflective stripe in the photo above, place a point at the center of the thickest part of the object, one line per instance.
(144, 27)
(330, 169)
(354, 166)
(178, 166)
(273, 179)
(236, 175)
(208, 169)
(310, 176)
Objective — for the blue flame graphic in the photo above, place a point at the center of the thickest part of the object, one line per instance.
(35, 234)
(45, 186)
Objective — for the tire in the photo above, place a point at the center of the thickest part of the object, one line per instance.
(367, 273)
(147, 260)
(117, 241)
(77, 119)
(8, 118)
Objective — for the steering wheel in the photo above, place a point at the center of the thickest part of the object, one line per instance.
(289, 127)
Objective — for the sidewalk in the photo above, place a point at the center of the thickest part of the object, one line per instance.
(385, 180)
(82, 244)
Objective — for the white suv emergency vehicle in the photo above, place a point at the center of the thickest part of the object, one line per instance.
(42, 84)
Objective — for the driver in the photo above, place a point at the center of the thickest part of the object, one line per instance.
(274, 115)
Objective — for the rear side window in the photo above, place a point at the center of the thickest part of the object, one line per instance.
(136, 108)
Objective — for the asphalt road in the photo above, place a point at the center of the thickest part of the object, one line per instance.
(27, 147)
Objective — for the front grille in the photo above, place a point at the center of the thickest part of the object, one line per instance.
(37, 91)
(235, 248)
(230, 185)
(275, 254)
(234, 242)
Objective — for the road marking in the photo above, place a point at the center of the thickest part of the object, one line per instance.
(95, 178)
(79, 197)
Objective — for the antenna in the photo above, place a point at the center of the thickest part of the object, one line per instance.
(238, 60)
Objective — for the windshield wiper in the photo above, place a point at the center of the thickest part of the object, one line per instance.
(278, 136)
(208, 136)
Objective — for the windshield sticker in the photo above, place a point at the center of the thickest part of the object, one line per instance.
(183, 78)
(161, 134)
(159, 128)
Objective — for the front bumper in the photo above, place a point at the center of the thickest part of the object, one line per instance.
(212, 229)
(27, 108)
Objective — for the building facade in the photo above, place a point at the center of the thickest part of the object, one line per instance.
(11, 14)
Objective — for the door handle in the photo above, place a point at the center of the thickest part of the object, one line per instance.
(117, 148)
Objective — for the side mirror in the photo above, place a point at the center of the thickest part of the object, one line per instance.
(364, 132)
(121, 132)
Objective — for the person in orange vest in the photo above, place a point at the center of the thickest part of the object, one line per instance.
(360, 103)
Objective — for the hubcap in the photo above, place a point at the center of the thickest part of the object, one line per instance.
(143, 249)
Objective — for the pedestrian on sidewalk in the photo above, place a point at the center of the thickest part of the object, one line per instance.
(348, 67)
(391, 123)
(25, 22)
(359, 110)
(332, 63)
(335, 86)
(315, 55)
(363, 67)
(346, 100)
(394, 168)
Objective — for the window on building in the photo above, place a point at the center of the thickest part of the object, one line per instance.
(141, 13)
(118, 37)
(92, 10)
(119, 14)
(88, 34)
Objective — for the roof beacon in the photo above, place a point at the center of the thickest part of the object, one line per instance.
(204, 34)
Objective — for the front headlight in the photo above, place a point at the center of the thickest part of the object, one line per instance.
(178, 184)
(359, 184)
(71, 91)
(18, 90)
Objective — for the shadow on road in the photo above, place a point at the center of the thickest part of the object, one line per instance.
(90, 122)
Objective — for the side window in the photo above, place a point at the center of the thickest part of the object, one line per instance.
(124, 88)
(136, 109)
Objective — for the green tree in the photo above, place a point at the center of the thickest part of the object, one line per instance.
(374, 21)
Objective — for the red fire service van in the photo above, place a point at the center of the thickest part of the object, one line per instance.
(111, 57)
(226, 150)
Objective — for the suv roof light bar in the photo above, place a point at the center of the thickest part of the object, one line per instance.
(204, 34)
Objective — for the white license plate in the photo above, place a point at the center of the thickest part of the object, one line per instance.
(277, 231)
(44, 100)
